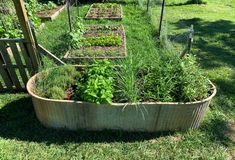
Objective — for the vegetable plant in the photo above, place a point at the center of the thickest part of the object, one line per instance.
(102, 41)
(96, 84)
(75, 37)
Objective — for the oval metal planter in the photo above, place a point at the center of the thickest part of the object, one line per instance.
(144, 117)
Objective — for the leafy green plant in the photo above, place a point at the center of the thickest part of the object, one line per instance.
(48, 6)
(102, 41)
(89, 52)
(107, 28)
(192, 84)
(32, 7)
(75, 37)
(96, 84)
(11, 28)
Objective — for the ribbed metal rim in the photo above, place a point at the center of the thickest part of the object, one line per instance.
(32, 79)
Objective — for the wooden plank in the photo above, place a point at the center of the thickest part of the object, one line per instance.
(9, 66)
(44, 51)
(27, 59)
(12, 40)
(17, 57)
(14, 66)
(5, 75)
(24, 22)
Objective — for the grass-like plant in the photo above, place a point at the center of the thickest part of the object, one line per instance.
(53, 83)
(162, 77)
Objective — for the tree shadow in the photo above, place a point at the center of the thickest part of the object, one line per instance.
(188, 2)
(18, 121)
(219, 131)
(214, 41)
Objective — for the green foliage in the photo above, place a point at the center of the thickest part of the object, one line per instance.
(88, 52)
(102, 41)
(107, 28)
(53, 83)
(22, 135)
(48, 6)
(171, 79)
(32, 7)
(9, 24)
(96, 84)
(162, 77)
(126, 86)
(59, 2)
(11, 28)
(75, 37)
(105, 5)
(191, 81)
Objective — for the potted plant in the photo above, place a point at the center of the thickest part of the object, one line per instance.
(159, 92)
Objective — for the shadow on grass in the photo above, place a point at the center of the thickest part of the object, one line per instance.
(214, 41)
(18, 121)
(219, 131)
(188, 2)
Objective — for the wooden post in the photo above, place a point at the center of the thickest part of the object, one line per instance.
(161, 18)
(24, 22)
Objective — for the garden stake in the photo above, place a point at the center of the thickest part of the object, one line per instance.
(161, 18)
(69, 17)
(189, 44)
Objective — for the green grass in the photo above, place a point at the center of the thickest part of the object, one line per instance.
(23, 137)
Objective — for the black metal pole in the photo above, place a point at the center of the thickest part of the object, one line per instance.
(161, 18)
(69, 16)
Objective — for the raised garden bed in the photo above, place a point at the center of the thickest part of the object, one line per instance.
(74, 115)
(49, 15)
(105, 11)
(101, 44)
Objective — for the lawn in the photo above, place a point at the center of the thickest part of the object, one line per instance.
(23, 137)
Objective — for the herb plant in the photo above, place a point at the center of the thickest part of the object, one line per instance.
(96, 84)
(163, 77)
(53, 83)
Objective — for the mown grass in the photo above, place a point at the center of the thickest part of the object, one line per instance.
(23, 137)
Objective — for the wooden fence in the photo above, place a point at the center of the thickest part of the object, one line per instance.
(16, 64)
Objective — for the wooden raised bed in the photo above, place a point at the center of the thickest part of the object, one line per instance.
(49, 15)
(96, 12)
(158, 116)
(81, 55)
